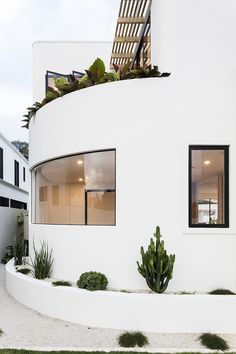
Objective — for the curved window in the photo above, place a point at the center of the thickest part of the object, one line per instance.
(78, 189)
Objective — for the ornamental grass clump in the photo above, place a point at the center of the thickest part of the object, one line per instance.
(131, 339)
(92, 281)
(213, 341)
(42, 262)
(157, 266)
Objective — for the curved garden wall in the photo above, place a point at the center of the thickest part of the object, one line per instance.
(146, 312)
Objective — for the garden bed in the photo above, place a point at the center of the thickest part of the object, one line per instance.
(162, 313)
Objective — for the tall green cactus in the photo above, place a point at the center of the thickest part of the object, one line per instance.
(157, 266)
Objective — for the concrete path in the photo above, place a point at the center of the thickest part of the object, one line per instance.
(25, 328)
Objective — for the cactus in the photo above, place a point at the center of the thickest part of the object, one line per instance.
(157, 266)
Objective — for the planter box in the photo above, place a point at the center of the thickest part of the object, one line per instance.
(162, 313)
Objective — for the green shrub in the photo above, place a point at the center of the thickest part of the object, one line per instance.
(1, 332)
(23, 271)
(221, 292)
(92, 281)
(213, 341)
(95, 75)
(61, 283)
(42, 262)
(157, 266)
(131, 339)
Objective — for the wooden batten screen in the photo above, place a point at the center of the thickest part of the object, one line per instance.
(132, 43)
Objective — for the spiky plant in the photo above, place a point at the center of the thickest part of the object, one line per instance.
(157, 266)
(131, 339)
(213, 341)
(42, 262)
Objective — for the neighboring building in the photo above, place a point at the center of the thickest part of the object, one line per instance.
(174, 142)
(14, 183)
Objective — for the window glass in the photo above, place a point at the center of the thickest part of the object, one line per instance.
(208, 186)
(78, 189)
(16, 173)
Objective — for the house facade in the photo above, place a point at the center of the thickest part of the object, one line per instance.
(120, 158)
(14, 190)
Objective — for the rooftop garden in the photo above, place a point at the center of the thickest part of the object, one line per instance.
(95, 75)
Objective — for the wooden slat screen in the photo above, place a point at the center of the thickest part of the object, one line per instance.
(132, 40)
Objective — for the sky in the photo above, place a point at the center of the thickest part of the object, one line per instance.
(23, 22)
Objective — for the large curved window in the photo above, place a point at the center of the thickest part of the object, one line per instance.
(78, 189)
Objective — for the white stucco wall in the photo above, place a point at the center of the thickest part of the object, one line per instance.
(151, 122)
(63, 57)
(151, 144)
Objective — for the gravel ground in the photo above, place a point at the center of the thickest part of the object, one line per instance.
(25, 328)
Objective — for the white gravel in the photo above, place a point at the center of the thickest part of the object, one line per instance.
(25, 328)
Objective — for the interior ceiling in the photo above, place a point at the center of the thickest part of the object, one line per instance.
(93, 167)
(201, 171)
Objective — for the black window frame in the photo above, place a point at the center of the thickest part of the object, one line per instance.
(225, 148)
(23, 174)
(16, 173)
(1, 163)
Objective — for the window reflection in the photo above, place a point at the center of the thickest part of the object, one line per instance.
(209, 186)
(78, 189)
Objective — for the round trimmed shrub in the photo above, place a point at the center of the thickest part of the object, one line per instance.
(92, 281)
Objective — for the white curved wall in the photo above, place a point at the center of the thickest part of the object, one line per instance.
(156, 313)
(150, 122)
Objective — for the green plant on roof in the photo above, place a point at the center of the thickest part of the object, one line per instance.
(157, 266)
(96, 74)
(213, 341)
(131, 339)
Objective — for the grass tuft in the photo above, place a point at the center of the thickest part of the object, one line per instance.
(131, 339)
(221, 292)
(61, 283)
(23, 271)
(213, 341)
(42, 262)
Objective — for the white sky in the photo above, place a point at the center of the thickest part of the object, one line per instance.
(23, 22)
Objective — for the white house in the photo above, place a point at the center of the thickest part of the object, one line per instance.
(14, 190)
(120, 158)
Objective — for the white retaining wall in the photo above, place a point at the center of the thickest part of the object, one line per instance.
(147, 312)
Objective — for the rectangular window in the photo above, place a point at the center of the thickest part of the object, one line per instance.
(23, 174)
(4, 202)
(1, 163)
(16, 173)
(209, 186)
(99, 207)
(17, 204)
